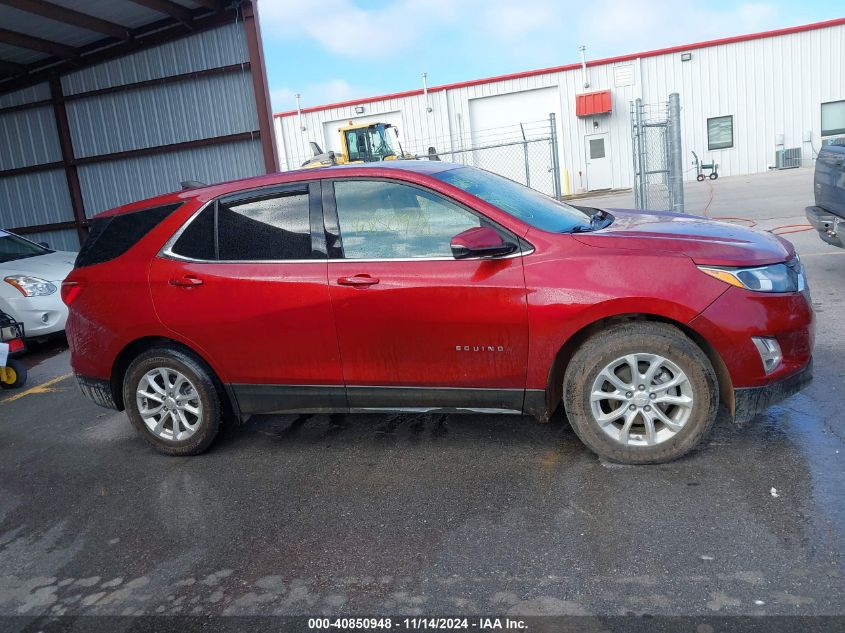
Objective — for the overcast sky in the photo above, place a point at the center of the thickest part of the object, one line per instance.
(334, 50)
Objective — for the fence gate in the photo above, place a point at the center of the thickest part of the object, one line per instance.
(658, 161)
(524, 152)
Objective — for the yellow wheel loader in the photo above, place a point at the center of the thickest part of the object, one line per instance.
(362, 143)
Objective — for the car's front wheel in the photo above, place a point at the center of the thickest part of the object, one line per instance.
(640, 393)
(172, 401)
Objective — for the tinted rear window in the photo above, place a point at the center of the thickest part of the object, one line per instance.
(197, 240)
(277, 227)
(112, 236)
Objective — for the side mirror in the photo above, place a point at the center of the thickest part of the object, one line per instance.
(481, 241)
(44, 244)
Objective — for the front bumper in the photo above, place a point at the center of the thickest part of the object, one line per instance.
(40, 315)
(750, 401)
(831, 227)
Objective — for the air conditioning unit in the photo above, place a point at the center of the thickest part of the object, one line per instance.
(788, 158)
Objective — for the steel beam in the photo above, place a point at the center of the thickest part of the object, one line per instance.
(69, 16)
(168, 8)
(66, 144)
(259, 84)
(20, 40)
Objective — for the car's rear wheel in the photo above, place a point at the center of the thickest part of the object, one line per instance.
(640, 393)
(172, 401)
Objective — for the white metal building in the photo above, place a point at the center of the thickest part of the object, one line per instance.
(747, 102)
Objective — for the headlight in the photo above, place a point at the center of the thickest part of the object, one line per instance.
(31, 286)
(787, 277)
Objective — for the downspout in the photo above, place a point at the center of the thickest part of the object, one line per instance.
(425, 92)
(299, 113)
(584, 79)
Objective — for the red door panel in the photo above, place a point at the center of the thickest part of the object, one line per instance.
(433, 323)
(261, 323)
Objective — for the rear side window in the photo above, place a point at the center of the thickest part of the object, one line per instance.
(112, 236)
(197, 240)
(273, 228)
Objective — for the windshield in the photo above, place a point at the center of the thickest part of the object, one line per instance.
(13, 247)
(528, 205)
(380, 142)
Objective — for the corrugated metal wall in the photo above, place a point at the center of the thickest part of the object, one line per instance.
(772, 86)
(29, 137)
(146, 176)
(138, 118)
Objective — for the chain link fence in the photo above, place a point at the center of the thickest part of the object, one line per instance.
(658, 165)
(524, 152)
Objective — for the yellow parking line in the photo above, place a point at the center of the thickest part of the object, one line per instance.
(45, 387)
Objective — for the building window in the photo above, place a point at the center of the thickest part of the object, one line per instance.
(720, 132)
(833, 118)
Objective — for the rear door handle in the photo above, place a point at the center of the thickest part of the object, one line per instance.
(358, 280)
(188, 281)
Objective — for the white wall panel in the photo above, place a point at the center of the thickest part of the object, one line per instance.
(216, 105)
(28, 137)
(116, 182)
(223, 46)
(35, 198)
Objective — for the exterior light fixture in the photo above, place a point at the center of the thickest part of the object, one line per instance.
(685, 57)
(359, 109)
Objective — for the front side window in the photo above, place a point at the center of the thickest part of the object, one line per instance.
(273, 228)
(388, 220)
(380, 142)
(833, 118)
(356, 144)
(720, 132)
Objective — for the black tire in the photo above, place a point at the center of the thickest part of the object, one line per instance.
(206, 388)
(631, 338)
(714, 176)
(20, 373)
(700, 178)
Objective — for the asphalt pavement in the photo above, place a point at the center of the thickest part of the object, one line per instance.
(431, 514)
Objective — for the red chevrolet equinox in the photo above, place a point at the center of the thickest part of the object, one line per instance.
(428, 286)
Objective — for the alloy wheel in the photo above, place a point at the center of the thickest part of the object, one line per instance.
(641, 399)
(169, 404)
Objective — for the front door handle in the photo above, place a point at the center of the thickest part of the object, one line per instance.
(358, 281)
(188, 281)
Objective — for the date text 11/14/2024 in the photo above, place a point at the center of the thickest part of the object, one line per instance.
(418, 623)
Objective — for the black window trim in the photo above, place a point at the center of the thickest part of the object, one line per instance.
(733, 134)
(332, 224)
(318, 238)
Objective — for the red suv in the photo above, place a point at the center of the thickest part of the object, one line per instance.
(421, 286)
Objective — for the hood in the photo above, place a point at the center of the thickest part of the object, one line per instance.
(702, 240)
(50, 267)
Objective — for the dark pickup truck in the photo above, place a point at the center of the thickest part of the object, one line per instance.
(828, 214)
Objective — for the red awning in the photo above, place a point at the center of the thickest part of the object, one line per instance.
(591, 103)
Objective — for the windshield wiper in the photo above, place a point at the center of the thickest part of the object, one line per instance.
(599, 219)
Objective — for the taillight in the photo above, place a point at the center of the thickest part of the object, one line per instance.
(16, 345)
(70, 289)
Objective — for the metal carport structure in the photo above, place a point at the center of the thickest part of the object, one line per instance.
(107, 101)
